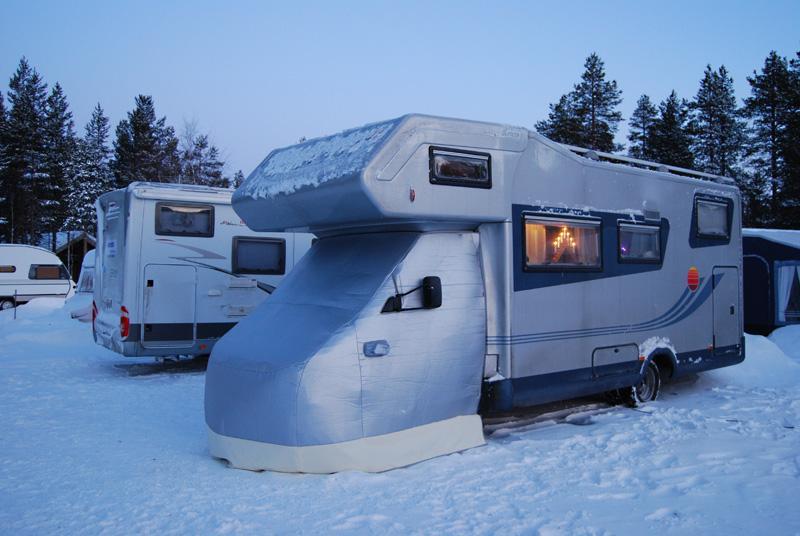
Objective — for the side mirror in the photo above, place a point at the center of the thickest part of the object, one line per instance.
(431, 292)
(431, 288)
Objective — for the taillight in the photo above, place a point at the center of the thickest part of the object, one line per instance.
(124, 322)
(94, 311)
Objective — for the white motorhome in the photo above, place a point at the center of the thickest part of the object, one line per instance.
(28, 272)
(176, 268)
(465, 268)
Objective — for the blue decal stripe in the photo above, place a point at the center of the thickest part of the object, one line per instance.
(687, 304)
(672, 311)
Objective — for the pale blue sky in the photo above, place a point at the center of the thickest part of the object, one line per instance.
(258, 75)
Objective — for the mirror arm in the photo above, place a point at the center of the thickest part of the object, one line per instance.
(394, 304)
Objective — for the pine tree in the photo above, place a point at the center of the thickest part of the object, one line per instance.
(768, 108)
(755, 211)
(719, 133)
(3, 160)
(200, 162)
(790, 209)
(60, 145)
(238, 179)
(562, 124)
(587, 116)
(92, 174)
(670, 138)
(145, 148)
(24, 156)
(640, 124)
(596, 101)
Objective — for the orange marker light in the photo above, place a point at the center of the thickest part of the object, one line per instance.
(693, 278)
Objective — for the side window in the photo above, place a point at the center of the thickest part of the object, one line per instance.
(455, 167)
(48, 271)
(562, 244)
(639, 243)
(259, 256)
(173, 219)
(7, 269)
(712, 218)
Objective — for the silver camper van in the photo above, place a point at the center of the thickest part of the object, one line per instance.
(464, 268)
(176, 268)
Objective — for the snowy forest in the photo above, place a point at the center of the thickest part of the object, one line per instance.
(50, 175)
(757, 142)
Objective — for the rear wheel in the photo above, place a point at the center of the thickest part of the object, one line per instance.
(6, 303)
(647, 389)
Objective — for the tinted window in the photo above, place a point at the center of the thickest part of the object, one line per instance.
(259, 255)
(460, 168)
(639, 243)
(712, 219)
(48, 271)
(184, 220)
(562, 243)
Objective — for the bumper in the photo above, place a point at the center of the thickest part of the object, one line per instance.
(370, 454)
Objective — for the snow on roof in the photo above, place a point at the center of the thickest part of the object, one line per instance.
(316, 161)
(63, 238)
(783, 236)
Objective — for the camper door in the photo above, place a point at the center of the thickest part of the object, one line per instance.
(169, 312)
(726, 309)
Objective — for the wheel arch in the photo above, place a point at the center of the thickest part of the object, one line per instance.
(665, 359)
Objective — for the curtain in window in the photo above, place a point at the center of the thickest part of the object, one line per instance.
(787, 292)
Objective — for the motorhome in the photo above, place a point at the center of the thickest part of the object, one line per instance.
(771, 279)
(28, 272)
(465, 268)
(176, 268)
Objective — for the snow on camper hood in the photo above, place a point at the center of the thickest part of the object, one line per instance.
(316, 161)
(306, 169)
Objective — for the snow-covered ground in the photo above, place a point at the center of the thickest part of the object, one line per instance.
(85, 448)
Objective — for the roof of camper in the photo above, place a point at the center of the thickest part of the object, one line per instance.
(314, 162)
(38, 248)
(180, 192)
(786, 237)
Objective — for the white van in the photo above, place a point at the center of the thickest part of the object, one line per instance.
(28, 272)
(176, 268)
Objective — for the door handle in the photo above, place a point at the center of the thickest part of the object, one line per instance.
(732, 309)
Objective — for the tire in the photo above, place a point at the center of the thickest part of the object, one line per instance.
(6, 303)
(647, 390)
